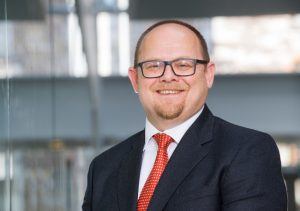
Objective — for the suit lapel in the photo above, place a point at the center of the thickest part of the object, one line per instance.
(188, 153)
(129, 172)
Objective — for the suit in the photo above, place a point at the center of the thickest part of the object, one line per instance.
(216, 166)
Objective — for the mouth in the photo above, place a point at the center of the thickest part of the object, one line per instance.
(169, 92)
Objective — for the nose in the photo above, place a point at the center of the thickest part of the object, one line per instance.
(169, 74)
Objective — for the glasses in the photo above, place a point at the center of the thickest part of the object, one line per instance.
(180, 67)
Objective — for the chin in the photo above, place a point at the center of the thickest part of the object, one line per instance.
(169, 114)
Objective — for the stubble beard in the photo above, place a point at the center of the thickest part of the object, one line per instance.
(168, 112)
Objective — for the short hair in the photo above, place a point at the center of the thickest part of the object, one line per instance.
(193, 29)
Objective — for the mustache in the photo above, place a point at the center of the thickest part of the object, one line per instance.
(171, 86)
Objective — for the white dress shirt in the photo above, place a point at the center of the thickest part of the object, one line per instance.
(150, 147)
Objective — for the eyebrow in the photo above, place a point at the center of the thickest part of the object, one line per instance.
(158, 59)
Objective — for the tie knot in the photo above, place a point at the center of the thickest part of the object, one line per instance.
(163, 140)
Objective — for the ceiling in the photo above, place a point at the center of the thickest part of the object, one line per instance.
(158, 9)
(21, 10)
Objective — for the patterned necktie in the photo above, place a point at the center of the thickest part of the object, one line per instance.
(163, 141)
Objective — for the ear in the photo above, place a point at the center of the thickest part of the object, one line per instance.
(133, 77)
(210, 74)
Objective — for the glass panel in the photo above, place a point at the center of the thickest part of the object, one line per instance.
(5, 165)
(48, 178)
(113, 43)
(31, 38)
(45, 135)
(258, 44)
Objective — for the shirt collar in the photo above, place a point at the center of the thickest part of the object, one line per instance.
(176, 132)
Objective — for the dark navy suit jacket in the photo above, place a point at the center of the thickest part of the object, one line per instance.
(216, 166)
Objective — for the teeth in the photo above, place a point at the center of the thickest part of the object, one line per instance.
(165, 92)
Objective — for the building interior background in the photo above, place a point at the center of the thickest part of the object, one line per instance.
(65, 96)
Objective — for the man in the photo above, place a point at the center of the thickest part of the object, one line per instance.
(186, 158)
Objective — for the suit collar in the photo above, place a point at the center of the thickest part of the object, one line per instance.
(190, 151)
(187, 154)
(176, 132)
(129, 173)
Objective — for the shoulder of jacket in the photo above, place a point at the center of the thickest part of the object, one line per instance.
(117, 151)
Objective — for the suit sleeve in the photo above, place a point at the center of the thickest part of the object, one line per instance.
(87, 201)
(253, 181)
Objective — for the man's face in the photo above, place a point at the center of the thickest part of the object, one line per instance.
(170, 99)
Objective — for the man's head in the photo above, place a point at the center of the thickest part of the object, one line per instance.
(171, 99)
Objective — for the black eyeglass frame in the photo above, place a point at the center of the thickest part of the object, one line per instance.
(196, 61)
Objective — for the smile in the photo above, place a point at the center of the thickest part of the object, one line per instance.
(168, 92)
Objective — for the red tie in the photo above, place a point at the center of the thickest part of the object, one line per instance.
(163, 141)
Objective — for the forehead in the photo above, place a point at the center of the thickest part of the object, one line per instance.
(170, 40)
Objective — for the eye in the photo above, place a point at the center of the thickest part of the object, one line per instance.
(184, 64)
(152, 65)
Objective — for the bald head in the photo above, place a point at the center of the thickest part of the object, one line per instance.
(163, 27)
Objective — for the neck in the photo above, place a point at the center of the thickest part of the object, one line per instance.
(163, 124)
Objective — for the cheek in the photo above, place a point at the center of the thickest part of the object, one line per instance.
(144, 84)
(198, 91)
(145, 93)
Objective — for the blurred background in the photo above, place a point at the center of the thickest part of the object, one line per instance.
(65, 96)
